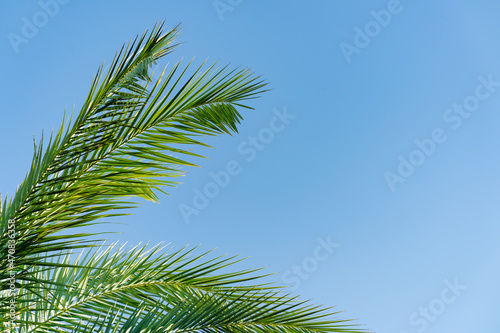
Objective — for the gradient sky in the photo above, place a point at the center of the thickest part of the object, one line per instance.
(369, 88)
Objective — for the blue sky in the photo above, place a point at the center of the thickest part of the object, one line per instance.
(359, 92)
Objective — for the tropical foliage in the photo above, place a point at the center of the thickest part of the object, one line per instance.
(133, 134)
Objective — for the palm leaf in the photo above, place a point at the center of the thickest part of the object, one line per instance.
(133, 135)
(150, 290)
(121, 145)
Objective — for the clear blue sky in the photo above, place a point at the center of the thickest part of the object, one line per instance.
(378, 191)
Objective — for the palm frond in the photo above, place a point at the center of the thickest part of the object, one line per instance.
(130, 140)
(149, 290)
(121, 144)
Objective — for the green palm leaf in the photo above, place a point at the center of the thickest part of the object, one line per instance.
(121, 144)
(143, 290)
(133, 135)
